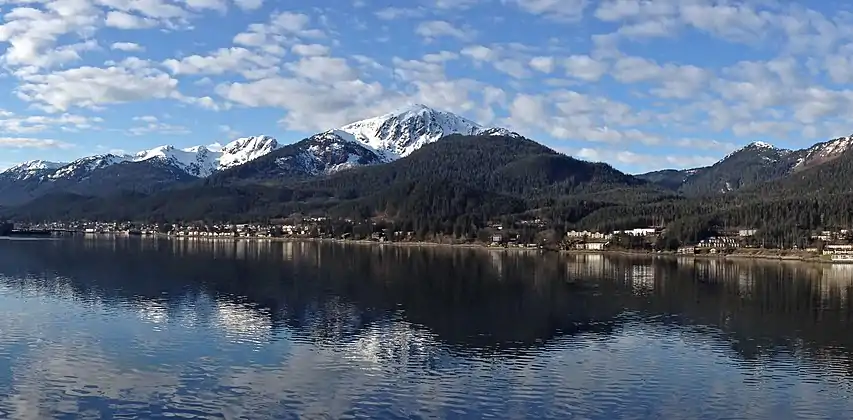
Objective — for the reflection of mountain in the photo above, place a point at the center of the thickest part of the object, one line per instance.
(759, 308)
(390, 302)
(326, 292)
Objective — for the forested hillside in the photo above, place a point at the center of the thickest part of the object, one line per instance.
(462, 183)
(475, 178)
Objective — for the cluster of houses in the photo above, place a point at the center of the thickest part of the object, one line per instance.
(838, 244)
(597, 241)
(308, 226)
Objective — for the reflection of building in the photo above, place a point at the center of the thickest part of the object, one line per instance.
(588, 266)
(590, 246)
(642, 278)
(837, 280)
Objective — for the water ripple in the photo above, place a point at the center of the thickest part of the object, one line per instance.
(318, 331)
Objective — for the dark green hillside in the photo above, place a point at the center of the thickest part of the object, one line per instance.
(750, 166)
(468, 178)
(141, 177)
(505, 165)
(671, 179)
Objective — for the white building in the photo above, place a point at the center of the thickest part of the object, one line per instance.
(638, 231)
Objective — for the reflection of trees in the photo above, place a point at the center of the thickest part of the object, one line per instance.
(333, 293)
(760, 308)
(330, 292)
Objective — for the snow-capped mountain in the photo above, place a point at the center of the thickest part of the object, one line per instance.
(397, 134)
(82, 167)
(368, 142)
(201, 162)
(245, 149)
(198, 161)
(32, 169)
(372, 141)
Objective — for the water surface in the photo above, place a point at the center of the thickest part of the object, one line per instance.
(142, 328)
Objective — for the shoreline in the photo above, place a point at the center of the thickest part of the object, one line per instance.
(768, 255)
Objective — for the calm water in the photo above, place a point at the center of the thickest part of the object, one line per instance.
(136, 328)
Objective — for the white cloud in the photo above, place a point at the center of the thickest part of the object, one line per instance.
(226, 60)
(326, 69)
(310, 49)
(32, 143)
(561, 10)
(155, 9)
(582, 86)
(542, 64)
(28, 124)
(480, 53)
(440, 28)
(440, 57)
(217, 5)
(157, 127)
(122, 20)
(394, 13)
(585, 67)
(127, 46)
(642, 162)
(92, 87)
(249, 4)
(311, 106)
(456, 4)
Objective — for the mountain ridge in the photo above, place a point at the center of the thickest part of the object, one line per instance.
(749, 166)
(371, 141)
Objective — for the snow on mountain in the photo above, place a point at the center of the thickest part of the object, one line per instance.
(31, 169)
(822, 152)
(767, 150)
(245, 149)
(83, 166)
(371, 141)
(399, 133)
(197, 161)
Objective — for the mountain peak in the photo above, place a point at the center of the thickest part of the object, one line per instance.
(245, 149)
(31, 168)
(404, 130)
(766, 149)
(761, 145)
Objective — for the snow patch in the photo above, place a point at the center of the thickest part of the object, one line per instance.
(31, 169)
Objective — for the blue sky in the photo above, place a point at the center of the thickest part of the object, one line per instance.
(640, 84)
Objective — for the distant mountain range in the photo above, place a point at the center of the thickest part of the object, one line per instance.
(372, 141)
(434, 171)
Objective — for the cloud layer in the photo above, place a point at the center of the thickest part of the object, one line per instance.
(642, 84)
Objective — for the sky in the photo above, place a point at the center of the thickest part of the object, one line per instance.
(640, 84)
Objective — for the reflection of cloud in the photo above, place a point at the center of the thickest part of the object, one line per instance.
(210, 351)
(242, 322)
(397, 342)
(153, 312)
